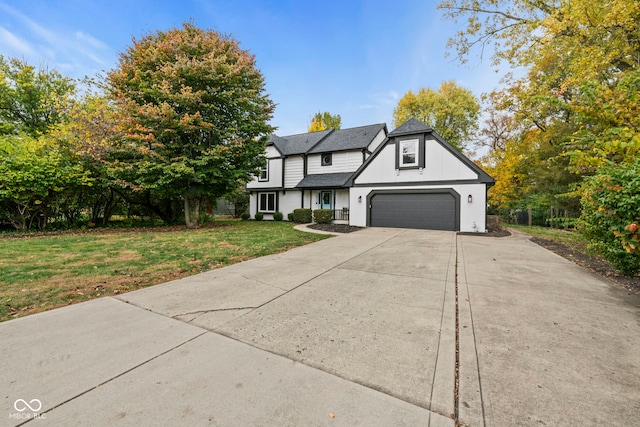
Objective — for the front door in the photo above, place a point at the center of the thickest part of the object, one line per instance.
(326, 200)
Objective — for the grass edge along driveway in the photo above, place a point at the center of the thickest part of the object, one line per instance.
(45, 272)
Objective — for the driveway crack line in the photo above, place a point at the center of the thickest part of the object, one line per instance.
(115, 377)
(305, 282)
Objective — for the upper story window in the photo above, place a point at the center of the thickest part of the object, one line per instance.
(408, 153)
(326, 159)
(264, 172)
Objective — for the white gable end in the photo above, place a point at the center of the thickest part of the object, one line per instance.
(440, 165)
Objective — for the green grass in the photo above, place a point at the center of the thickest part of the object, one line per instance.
(45, 272)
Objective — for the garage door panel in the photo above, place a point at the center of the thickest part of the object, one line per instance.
(432, 211)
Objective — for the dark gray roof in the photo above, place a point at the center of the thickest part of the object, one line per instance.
(348, 139)
(410, 126)
(325, 180)
(327, 140)
(298, 144)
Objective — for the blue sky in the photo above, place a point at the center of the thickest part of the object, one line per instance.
(348, 57)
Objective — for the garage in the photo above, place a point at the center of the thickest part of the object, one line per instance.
(426, 209)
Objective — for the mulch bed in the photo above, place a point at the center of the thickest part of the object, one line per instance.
(335, 228)
(596, 265)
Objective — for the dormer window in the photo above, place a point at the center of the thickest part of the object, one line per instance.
(326, 159)
(264, 172)
(408, 153)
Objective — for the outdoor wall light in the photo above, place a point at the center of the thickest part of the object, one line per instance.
(470, 198)
(359, 199)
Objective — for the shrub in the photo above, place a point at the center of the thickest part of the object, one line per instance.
(290, 216)
(610, 216)
(323, 216)
(245, 216)
(277, 216)
(259, 216)
(302, 216)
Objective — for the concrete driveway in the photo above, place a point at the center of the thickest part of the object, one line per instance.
(359, 329)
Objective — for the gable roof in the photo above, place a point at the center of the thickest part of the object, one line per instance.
(410, 126)
(348, 139)
(327, 140)
(298, 144)
(415, 127)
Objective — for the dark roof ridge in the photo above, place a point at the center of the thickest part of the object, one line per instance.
(320, 140)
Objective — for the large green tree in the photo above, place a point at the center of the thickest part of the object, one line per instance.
(452, 111)
(35, 173)
(322, 121)
(32, 100)
(196, 115)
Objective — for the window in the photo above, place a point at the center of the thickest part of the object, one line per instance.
(264, 172)
(267, 202)
(409, 153)
(326, 159)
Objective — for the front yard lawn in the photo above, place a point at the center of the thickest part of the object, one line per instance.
(45, 272)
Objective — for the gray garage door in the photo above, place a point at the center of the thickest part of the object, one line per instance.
(430, 211)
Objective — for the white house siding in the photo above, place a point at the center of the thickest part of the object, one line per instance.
(472, 215)
(341, 161)
(275, 172)
(287, 201)
(293, 171)
(440, 165)
(377, 140)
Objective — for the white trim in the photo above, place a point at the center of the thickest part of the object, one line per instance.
(265, 209)
(264, 169)
(416, 152)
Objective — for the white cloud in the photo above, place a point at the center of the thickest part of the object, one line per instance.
(91, 40)
(12, 43)
(74, 53)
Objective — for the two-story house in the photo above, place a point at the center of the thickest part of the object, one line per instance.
(409, 178)
(311, 170)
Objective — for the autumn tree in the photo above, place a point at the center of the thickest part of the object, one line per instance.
(579, 90)
(452, 111)
(196, 115)
(322, 121)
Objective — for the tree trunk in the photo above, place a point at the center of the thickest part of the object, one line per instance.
(191, 212)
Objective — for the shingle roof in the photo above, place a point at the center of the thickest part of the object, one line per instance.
(327, 140)
(410, 126)
(298, 144)
(348, 139)
(325, 180)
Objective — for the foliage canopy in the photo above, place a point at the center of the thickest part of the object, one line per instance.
(322, 121)
(195, 115)
(451, 110)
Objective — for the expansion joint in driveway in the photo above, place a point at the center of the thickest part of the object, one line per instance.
(456, 387)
